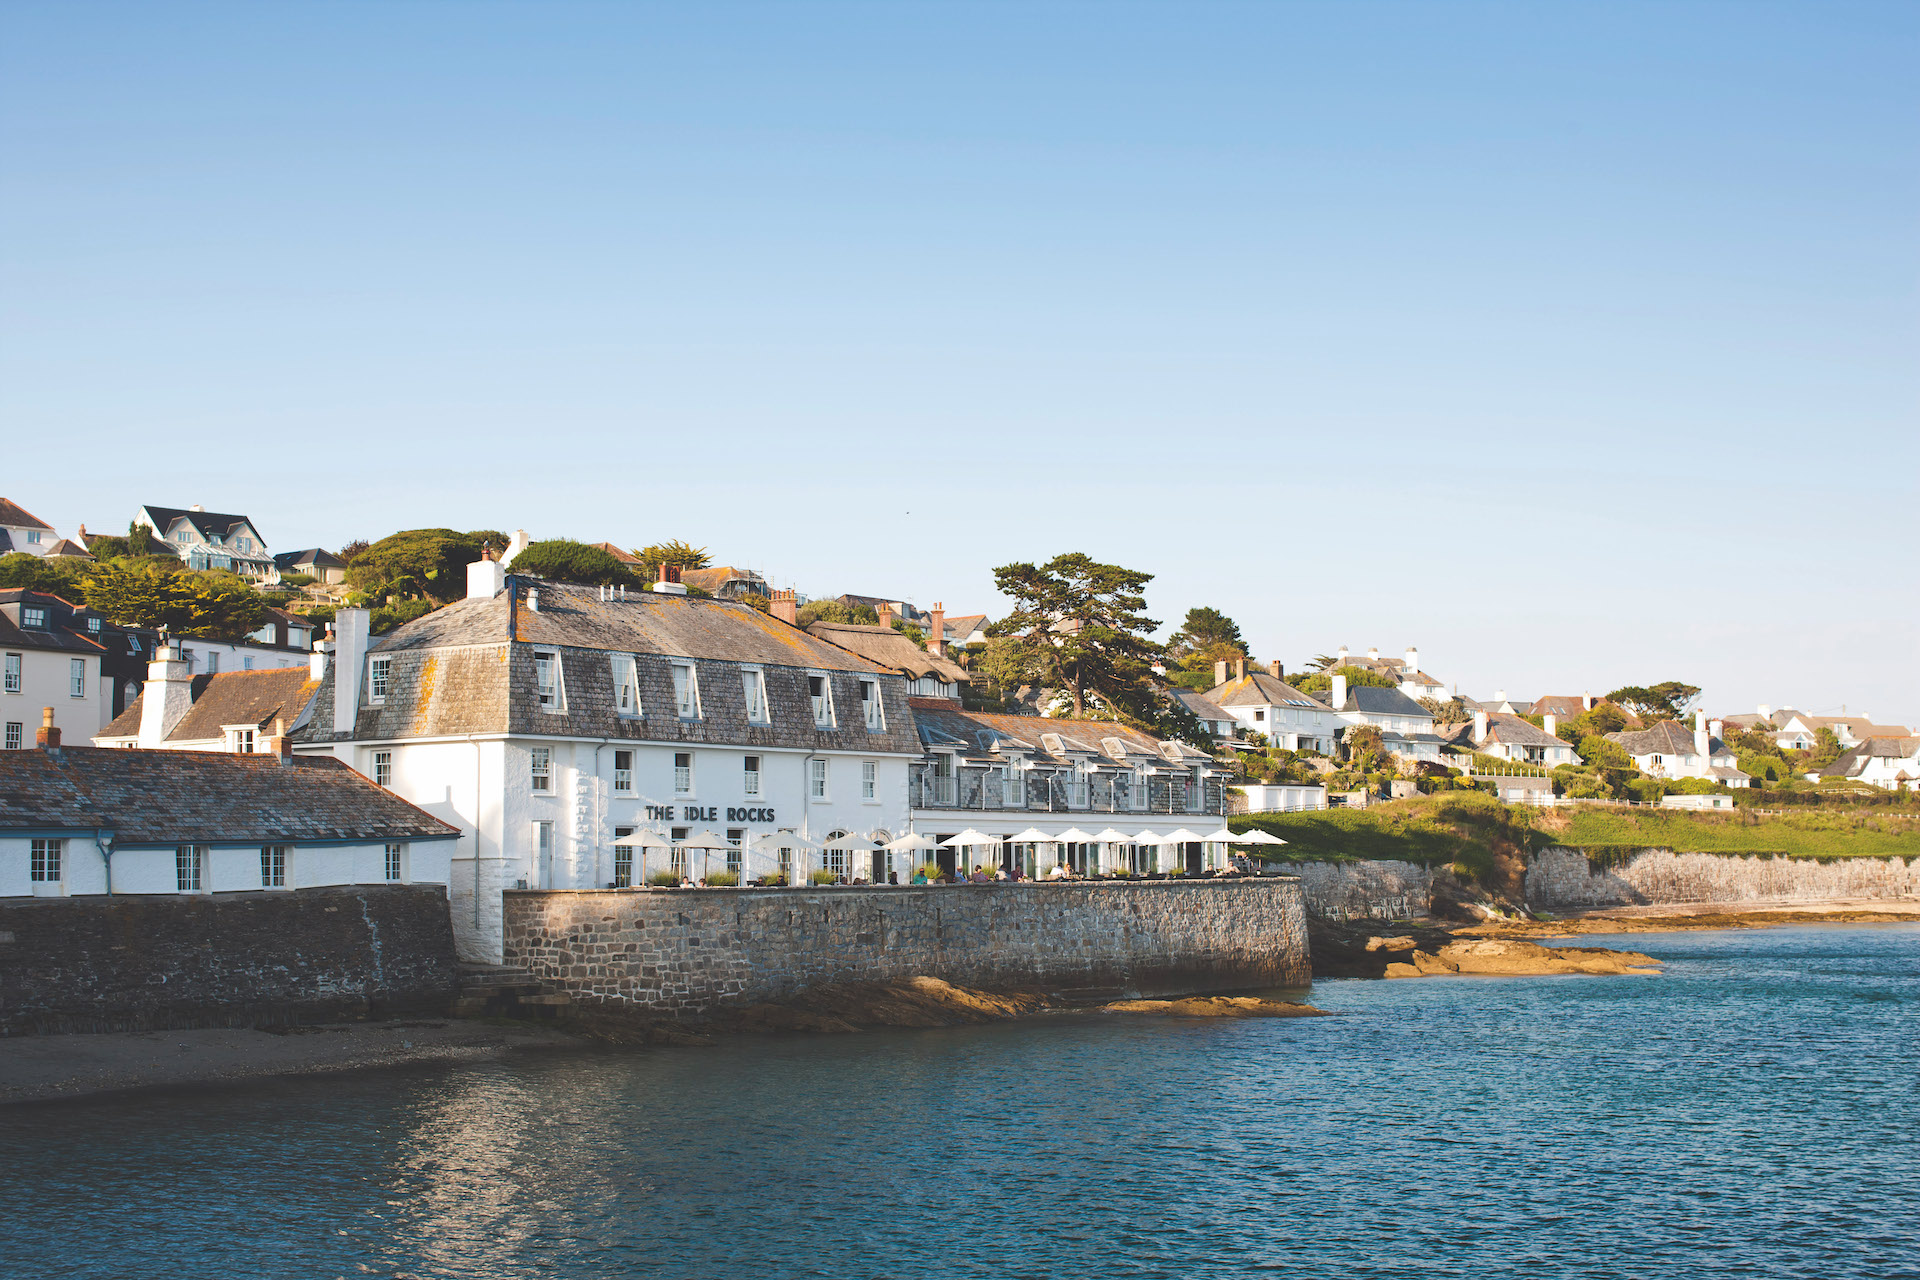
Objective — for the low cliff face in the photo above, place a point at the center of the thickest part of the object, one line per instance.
(694, 950)
(1566, 878)
(224, 960)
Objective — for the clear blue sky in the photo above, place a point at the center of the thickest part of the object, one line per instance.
(1575, 344)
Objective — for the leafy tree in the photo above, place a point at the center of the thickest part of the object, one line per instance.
(1667, 700)
(564, 560)
(1357, 677)
(140, 540)
(351, 552)
(1826, 749)
(1646, 790)
(1086, 621)
(672, 551)
(1207, 629)
(215, 606)
(857, 615)
(388, 616)
(1176, 720)
(1452, 711)
(1767, 768)
(1602, 754)
(416, 562)
(1011, 663)
(36, 573)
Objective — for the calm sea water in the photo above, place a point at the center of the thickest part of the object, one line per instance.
(1752, 1112)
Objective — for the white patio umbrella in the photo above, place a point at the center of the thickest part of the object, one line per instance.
(774, 841)
(851, 844)
(1256, 836)
(644, 840)
(1222, 836)
(706, 841)
(1074, 835)
(968, 839)
(911, 844)
(1033, 835)
(1180, 835)
(1110, 836)
(1151, 837)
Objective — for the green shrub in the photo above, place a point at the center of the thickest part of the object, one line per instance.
(931, 870)
(663, 879)
(778, 880)
(723, 879)
(823, 876)
(1646, 790)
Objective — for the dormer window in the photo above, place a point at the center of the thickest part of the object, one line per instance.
(1138, 791)
(34, 616)
(870, 708)
(546, 669)
(626, 687)
(185, 535)
(686, 691)
(820, 690)
(379, 677)
(753, 683)
(93, 626)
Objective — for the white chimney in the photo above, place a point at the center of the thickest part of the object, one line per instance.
(317, 660)
(1586, 702)
(1341, 655)
(1700, 735)
(349, 660)
(1766, 712)
(1373, 655)
(1550, 723)
(515, 545)
(1413, 659)
(167, 696)
(1339, 692)
(196, 507)
(1500, 695)
(1479, 727)
(486, 577)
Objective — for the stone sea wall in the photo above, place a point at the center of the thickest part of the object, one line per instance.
(689, 950)
(224, 960)
(1565, 878)
(1351, 890)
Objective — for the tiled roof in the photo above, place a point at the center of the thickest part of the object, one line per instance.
(1515, 732)
(230, 697)
(1373, 700)
(888, 648)
(310, 556)
(624, 557)
(1564, 706)
(1261, 689)
(715, 578)
(962, 625)
(209, 523)
(1669, 737)
(14, 514)
(977, 733)
(164, 797)
(68, 547)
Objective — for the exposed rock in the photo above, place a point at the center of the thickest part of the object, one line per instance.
(1511, 956)
(1350, 951)
(1218, 1007)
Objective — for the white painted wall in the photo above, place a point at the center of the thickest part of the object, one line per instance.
(44, 683)
(227, 868)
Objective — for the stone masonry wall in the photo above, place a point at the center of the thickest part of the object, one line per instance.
(687, 950)
(224, 960)
(1565, 878)
(1344, 890)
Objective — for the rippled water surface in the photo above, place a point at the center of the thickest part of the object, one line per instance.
(1752, 1112)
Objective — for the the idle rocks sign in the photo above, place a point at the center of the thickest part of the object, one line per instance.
(708, 813)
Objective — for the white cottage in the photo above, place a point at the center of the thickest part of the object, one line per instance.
(211, 539)
(1667, 750)
(1264, 703)
(550, 721)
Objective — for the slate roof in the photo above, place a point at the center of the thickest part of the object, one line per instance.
(230, 697)
(716, 578)
(58, 636)
(1202, 706)
(888, 648)
(469, 668)
(961, 625)
(979, 733)
(311, 556)
(1853, 761)
(68, 547)
(1562, 706)
(14, 514)
(1372, 700)
(209, 523)
(1669, 737)
(1262, 689)
(168, 797)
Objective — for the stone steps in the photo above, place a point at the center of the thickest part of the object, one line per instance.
(504, 991)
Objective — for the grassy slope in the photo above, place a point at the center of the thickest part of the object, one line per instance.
(1429, 831)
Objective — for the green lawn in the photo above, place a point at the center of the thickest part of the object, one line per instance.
(1470, 829)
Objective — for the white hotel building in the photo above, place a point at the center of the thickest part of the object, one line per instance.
(546, 720)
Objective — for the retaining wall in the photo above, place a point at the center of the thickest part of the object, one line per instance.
(1389, 889)
(1565, 878)
(688, 950)
(224, 960)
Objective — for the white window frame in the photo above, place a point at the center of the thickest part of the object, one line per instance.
(273, 865)
(240, 741)
(819, 781)
(682, 773)
(49, 861)
(379, 679)
(1142, 787)
(622, 859)
(686, 690)
(823, 717)
(383, 769)
(33, 617)
(540, 770)
(871, 710)
(753, 685)
(190, 868)
(16, 735)
(13, 673)
(750, 776)
(213, 662)
(76, 677)
(393, 862)
(622, 774)
(870, 781)
(626, 687)
(33, 537)
(550, 681)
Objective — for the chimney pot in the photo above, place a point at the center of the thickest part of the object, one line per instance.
(48, 737)
(937, 630)
(785, 608)
(885, 614)
(1275, 670)
(1239, 668)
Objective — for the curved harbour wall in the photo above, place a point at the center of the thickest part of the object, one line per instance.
(689, 950)
(1568, 878)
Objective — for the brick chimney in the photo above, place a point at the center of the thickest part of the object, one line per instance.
(785, 608)
(937, 630)
(278, 744)
(1276, 670)
(47, 737)
(885, 614)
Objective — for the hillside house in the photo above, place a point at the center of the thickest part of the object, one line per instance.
(1891, 762)
(21, 530)
(1262, 702)
(1667, 750)
(1406, 727)
(211, 540)
(1508, 737)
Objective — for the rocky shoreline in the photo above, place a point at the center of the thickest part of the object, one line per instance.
(1384, 951)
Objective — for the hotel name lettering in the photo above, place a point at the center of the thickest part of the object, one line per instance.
(707, 813)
